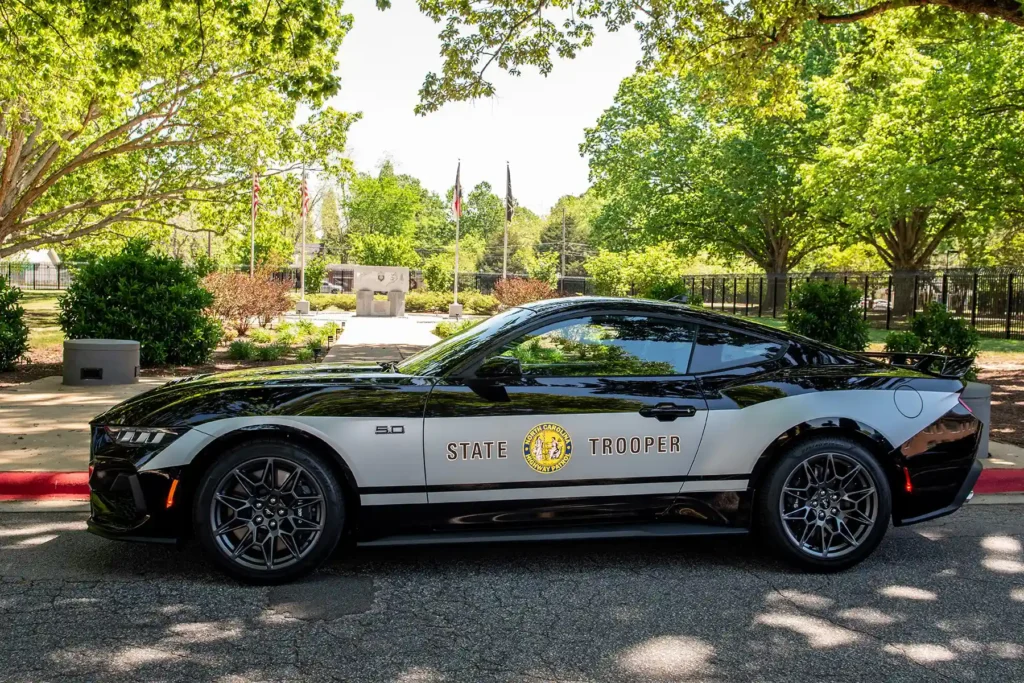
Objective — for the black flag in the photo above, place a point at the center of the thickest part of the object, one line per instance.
(509, 200)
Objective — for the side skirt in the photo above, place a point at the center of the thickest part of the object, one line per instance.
(649, 530)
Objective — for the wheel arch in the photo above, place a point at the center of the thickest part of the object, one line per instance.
(205, 458)
(864, 434)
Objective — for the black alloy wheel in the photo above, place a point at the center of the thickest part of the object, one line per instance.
(268, 511)
(825, 505)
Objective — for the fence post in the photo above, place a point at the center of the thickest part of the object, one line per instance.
(760, 294)
(58, 276)
(34, 266)
(974, 299)
(945, 290)
(746, 306)
(865, 302)
(734, 280)
(712, 294)
(913, 310)
(1009, 302)
(789, 291)
(888, 304)
(775, 291)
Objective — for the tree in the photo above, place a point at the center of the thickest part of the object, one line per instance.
(722, 180)
(580, 214)
(110, 121)
(375, 249)
(523, 235)
(330, 226)
(924, 141)
(484, 213)
(743, 36)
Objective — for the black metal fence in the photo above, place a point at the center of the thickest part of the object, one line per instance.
(991, 301)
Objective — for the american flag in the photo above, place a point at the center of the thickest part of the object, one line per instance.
(255, 193)
(304, 211)
(457, 193)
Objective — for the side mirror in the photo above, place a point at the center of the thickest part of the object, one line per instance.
(500, 367)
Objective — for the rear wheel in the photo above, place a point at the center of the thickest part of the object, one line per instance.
(268, 512)
(825, 505)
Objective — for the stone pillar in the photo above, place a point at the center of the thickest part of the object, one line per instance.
(396, 303)
(364, 302)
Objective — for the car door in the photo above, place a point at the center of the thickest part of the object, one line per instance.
(602, 408)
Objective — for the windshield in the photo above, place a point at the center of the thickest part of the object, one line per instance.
(439, 358)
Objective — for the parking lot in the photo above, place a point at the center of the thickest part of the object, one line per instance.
(941, 601)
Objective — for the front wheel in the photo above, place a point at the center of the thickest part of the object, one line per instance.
(268, 512)
(826, 504)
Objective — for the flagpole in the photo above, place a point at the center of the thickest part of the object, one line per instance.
(252, 230)
(504, 251)
(457, 221)
(302, 258)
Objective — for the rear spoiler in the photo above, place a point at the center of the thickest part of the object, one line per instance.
(948, 367)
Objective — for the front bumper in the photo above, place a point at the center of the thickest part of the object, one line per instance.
(129, 505)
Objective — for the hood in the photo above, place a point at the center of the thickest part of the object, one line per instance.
(325, 389)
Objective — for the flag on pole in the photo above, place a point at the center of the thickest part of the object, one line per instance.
(509, 200)
(255, 193)
(305, 197)
(457, 194)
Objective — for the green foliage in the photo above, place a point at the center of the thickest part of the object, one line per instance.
(941, 332)
(544, 267)
(439, 272)
(304, 355)
(316, 271)
(427, 302)
(830, 312)
(663, 290)
(384, 250)
(323, 302)
(450, 328)
(117, 129)
(260, 336)
(285, 338)
(652, 272)
(306, 328)
(902, 342)
(270, 352)
(13, 330)
(143, 296)
(481, 304)
(672, 167)
(330, 227)
(241, 349)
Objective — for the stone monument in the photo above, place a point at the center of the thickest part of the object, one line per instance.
(390, 280)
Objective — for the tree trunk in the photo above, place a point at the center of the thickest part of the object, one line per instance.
(775, 287)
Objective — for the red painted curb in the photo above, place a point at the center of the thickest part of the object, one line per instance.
(44, 485)
(1000, 481)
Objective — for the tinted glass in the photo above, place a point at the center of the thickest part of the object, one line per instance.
(444, 355)
(718, 349)
(605, 345)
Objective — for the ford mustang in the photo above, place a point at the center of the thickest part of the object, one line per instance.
(562, 419)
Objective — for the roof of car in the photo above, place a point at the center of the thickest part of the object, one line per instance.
(570, 303)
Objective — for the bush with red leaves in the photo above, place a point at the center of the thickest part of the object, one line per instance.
(516, 291)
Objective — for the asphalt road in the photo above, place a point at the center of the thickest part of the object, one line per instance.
(941, 601)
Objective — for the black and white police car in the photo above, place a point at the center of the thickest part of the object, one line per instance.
(562, 419)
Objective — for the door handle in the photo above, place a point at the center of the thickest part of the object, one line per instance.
(666, 412)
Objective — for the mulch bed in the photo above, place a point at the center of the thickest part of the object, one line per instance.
(1007, 381)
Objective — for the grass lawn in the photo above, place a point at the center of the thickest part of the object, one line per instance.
(45, 338)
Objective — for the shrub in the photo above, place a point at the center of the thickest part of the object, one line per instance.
(483, 304)
(239, 299)
(151, 298)
(260, 336)
(305, 328)
(286, 338)
(241, 349)
(228, 335)
(450, 328)
(304, 356)
(829, 312)
(316, 272)
(322, 302)
(902, 342)
(941, 332)
(427, 302)
(516, 291)
(270, 352)
(439, 272)
(13, 330)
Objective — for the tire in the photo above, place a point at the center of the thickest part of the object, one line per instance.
(239, 516)
(821, 527)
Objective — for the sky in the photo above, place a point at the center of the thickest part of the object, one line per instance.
(534, 123)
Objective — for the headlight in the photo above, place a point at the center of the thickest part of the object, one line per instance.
(141, 436)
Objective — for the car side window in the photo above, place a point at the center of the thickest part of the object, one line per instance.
(605, 345)
(720, 349)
